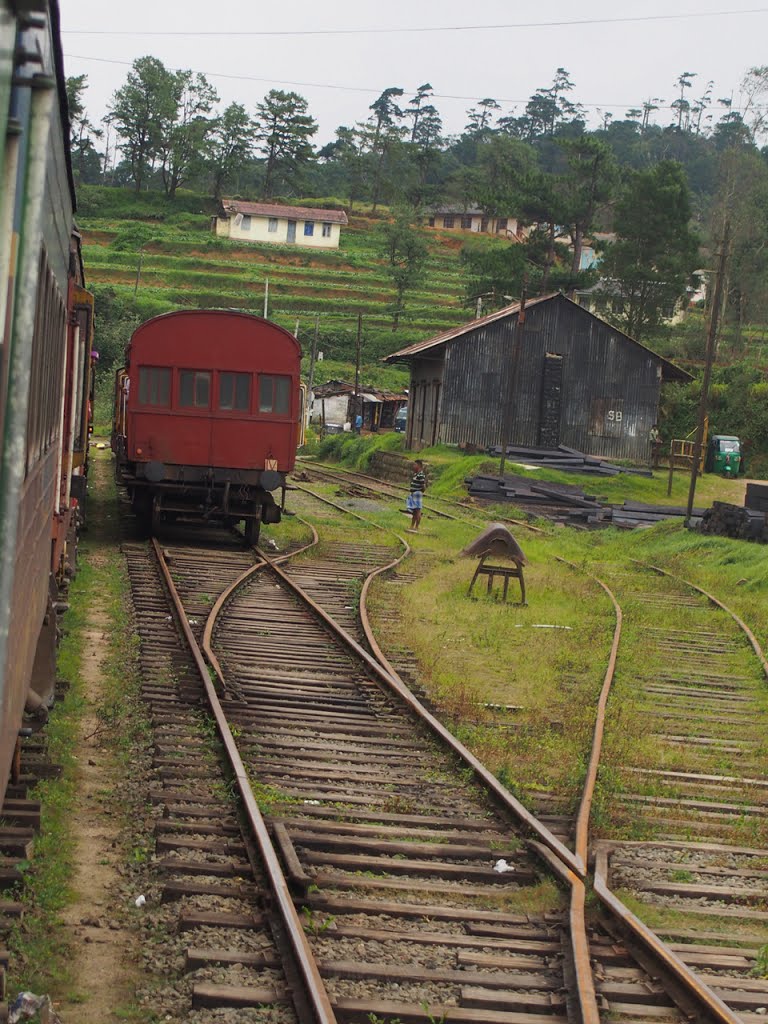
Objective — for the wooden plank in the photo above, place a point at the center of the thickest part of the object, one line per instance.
(218, 919)
(236, 996)
(202, 957)
(543, 981)
(352, 1011)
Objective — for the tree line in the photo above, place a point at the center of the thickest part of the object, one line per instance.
(654, 191)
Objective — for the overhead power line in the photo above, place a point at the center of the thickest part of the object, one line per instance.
(366, 88)
(567, 23)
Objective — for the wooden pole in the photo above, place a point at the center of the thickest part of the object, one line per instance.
(138, 272)
(312, 357)
(710, 357)
(266, 297)
(358, 346)
(506, 412)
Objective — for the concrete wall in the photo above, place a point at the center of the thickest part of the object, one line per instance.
(258, 231)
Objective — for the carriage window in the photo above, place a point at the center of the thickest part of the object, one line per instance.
(194, 389)
(154, 385)
(275, 395)
(235, 391)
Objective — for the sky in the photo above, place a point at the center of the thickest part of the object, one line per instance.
(615, 65)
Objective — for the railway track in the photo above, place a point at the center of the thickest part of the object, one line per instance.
(443, 508)
(685, 832)
(370, 830)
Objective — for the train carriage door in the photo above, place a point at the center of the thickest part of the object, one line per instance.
(291, 237)
(551, 401)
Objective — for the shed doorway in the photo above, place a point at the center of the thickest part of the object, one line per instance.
(551, 401)
(291, 231)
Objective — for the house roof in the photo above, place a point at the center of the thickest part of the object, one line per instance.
(235, 206)
(334, 388)
(474, 211)
(669, 370)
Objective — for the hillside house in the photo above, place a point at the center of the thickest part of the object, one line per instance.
(284, 225)
(579, 382)
(459, 218)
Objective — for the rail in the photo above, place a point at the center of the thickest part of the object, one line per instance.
(588, 792)
(719, 604)
(384, 485)
(692, 990)
(315, 989)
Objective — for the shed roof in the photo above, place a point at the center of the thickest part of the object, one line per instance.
(334, 388)
(669, 370)
(235, 206)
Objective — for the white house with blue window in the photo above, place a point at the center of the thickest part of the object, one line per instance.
(284, 225)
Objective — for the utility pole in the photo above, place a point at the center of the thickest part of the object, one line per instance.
(266, 297)
(714, 314)
(312, 358)
(138, 273)
(358, 346)
(506, 412)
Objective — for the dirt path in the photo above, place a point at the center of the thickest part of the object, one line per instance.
(104, 950)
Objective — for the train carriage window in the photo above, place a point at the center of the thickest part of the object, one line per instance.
(275, 395)
(235, 391)
(194, 389)
(154, 386)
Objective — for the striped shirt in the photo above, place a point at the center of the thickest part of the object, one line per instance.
(419, 481)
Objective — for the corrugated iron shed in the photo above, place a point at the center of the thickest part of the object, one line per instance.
(579, 382)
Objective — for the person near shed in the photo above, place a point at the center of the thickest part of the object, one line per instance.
(656, 444)
(414, 501)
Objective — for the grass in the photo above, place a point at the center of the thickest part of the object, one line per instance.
(41, 950)
(184, 264)
(448, 468)
(473, 652)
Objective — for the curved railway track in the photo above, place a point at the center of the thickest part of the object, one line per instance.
(443, 508)
(373, 835)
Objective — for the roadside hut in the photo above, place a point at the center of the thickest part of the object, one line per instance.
(578, 381)
(333, 404)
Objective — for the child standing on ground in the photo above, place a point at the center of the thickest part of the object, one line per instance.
(414, 502)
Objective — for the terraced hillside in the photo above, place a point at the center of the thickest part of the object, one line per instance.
(183, 264)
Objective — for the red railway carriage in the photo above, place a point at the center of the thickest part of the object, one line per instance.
(207, 413)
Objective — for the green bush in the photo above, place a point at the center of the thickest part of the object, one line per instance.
(132, 238)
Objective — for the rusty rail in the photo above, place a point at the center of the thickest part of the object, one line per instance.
(315, 988)
(330, 470)
(704, 998)
(719, 604)
(588, 792)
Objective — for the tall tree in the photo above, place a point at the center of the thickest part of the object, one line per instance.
(424, 142)
(480, 118)
(86, 163)
(681, 104)
(347, 154)
(229, 146)
(381, 134)
(142, 112)
(650, 264)
(183, 142)
(754, 87)
(547, 111)
(588, 185)
(406, 253)
(284, 131)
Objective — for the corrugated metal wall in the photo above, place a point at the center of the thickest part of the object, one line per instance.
(610, 386)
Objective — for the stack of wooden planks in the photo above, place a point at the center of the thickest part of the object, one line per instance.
(568, 503)
(726, 520)
(568, 459)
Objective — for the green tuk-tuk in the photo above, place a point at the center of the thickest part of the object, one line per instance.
(723, 455)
